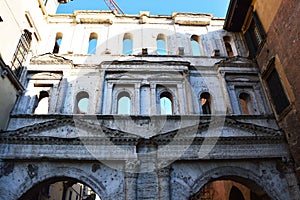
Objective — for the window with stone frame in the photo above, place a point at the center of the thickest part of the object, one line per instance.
(245, 103)
(92, 43)
(205, 103)
(166, 104)
(255, 35)
(161, 44)
(166, 99)
(124, 103)
(227, 42)
(41, 95)
(146, 93)
(21, 52)
(127, 44)
(276, 89)
(42, 103)
(246, 94)
(82, 103)
(57, 43)
(195, 43)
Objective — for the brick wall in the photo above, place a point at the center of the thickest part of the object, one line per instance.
(283, 41)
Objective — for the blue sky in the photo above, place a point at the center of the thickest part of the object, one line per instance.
(156, 7)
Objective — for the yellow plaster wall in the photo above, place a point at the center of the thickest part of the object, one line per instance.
(266, 10)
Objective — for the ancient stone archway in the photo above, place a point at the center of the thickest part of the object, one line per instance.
(226, 189)
(262, 178)
(245, 177)
(59, 188)
(71, 173)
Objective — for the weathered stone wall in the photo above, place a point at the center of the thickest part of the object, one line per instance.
(143, 155)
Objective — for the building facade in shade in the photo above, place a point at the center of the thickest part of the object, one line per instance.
(138, 107)
(271, 31)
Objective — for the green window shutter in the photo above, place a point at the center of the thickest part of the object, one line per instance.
(259, 25)
(251, 47)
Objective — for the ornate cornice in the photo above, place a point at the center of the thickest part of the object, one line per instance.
(91, 133)
(49, 59)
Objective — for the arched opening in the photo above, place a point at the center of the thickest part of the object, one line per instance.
(166, 103)
(245, 103)
(195, 45)
(92, 43)
(124, 103)
(127, 43)
(205, 102)
(227, 40)
(43, 103)
(229, 190)
(62, 189)
(236, 194)
(82, 103)
(57, 44)
(161, 44)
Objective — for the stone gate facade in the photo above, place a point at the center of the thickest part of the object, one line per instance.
(146, 123)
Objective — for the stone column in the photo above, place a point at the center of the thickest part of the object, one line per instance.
(130, 186)
(108, 107)
(53, 98)
(61, 93)
(181, 102)
(153, 99)
(261, 104)
(131, 168)
(164, 183)
(188, 94)
(233, 99)
(137, 99)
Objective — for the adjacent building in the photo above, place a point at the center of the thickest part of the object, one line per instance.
(271, 32)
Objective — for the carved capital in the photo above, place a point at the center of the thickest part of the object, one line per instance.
(132, 165)
(164, 172)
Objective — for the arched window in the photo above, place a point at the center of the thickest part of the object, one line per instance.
(245, 103)
(92, 43)
(195, 45)
(236, 194)
(205, 102)
(127, 43)
(166, 104)
(82, 103)
(57, 44)
(43, 103)
(228, 47)
(124, 103)
(161, 44)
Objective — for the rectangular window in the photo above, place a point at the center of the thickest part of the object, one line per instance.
(276, 90)
(21, 52)
(255, 35)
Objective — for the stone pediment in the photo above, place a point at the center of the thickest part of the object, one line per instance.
(229, 129)
(77, 129)
(142, 65)
(49, 58)
(233, 61)
(66, 128)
